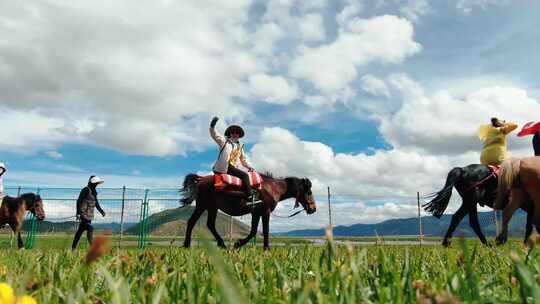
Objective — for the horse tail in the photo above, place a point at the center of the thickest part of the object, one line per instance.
(441, 198)
(190, 188)
(508, 178)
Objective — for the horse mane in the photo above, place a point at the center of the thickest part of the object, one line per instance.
(508, 177)
(267, 174)
(29, 196)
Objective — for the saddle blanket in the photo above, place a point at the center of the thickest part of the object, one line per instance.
(223, 180)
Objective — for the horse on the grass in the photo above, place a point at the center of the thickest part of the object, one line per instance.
(476, 184)
(273, 190)
(519, 185)
(14, 209)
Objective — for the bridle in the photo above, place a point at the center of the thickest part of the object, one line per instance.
(297, 204)
(32, 207)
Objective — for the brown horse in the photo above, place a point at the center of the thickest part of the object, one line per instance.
(202, 190)
(519, 181)
(13, 210)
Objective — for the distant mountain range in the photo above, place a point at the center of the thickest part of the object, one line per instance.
(167, 222)
(431, 227)
(173, 222)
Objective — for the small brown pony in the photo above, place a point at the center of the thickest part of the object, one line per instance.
(202, 190)
(13, 210)
(519, 181)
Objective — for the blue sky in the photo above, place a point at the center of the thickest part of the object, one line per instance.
(374, 98)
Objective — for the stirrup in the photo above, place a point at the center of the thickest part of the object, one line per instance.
(253, 199)
(253, 202)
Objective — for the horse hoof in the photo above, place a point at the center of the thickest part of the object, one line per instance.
(446, 243)
(237, 245)
(500, 240)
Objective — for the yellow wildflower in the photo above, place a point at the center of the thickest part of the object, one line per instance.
(26, 300)
(7, 296)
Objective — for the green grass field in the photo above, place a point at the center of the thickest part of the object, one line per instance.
(467, 272)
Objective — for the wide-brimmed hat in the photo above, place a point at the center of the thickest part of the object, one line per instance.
(96, 180)
(234, 129)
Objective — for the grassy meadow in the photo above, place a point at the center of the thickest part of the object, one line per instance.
(468, 272)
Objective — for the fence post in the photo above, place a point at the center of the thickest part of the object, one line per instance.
(141, 219)
(31, 235)
(143, 226)
(122, 216)
(419, 218)
(330, 212)
(19, 191)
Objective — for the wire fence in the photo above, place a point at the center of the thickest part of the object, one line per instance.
(137, 217)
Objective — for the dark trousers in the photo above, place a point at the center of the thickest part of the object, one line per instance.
(241, 175)
(83, 225)
(536, 143)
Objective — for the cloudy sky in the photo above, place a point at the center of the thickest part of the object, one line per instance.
(376, 99)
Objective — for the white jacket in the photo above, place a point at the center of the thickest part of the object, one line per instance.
(226, 148)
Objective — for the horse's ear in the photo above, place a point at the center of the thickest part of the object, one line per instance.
(307, 183)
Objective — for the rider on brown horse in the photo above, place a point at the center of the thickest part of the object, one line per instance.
(231, 155)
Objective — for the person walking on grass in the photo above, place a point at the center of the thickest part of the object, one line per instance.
(86, 203)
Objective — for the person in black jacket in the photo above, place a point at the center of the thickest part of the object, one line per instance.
(86, 203)
(536, 143)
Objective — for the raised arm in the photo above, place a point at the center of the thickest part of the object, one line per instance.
(508, 127)
(218, 138)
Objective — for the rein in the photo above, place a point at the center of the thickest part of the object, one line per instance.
(286, 217)
(482, 181)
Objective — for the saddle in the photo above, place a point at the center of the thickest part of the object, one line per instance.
(230, 184)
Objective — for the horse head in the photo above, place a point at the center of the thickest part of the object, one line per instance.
(304, 196)
(34, 204)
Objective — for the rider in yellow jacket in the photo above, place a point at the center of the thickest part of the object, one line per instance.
(494, 138)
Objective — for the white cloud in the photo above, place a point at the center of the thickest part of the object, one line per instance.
(148, 81)
(312, 28)
(86, 71)
(351, 10)
(446, 124)
(266, 37)
(361, 174)
(273, 89)
(375, 86)
(331, 67)
(26, 132)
